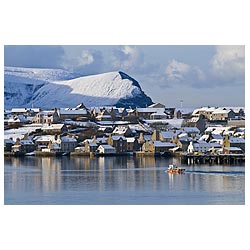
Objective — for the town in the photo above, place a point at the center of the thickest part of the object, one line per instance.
(152, 131)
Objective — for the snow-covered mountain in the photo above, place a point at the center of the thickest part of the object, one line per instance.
(50, 88)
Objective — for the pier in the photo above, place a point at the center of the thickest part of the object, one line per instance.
(213, 159)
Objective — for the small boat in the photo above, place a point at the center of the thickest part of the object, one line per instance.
(172, 169)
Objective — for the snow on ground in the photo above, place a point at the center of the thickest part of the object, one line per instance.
(20, 132)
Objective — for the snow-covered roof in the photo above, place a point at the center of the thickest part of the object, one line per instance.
(19, 118)
(130, 139)
(136, 127)
(44, 138)
(204, 137)
(92, 144)
(191, 129)
(215, 145)
(26, 142)
(151, 110)
(9, 141)
(106, 146)
(155, 105)
(67, 139)
(236, 140)
(176, 123)
(233, 148)
(167, 134)
(20, 132)
(19, 110)
(147, 137)
(221, 111)
(52, 126)
(163, 144)
(159, 114)
(203, 109)
(101, 140)
(236, 109)
(65, 111)
(120, 130)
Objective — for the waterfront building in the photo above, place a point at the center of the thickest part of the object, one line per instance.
(90, 146)
(198, 146)
(157, 146)
(118, 142)
(234, 142)
(106, 149)
(8, 143)
(23, 146)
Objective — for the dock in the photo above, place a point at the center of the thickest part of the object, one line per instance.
(212, 158)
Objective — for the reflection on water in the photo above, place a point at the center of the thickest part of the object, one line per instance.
(119, 180)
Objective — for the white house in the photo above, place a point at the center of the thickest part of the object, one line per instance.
(199, 146)
(106, 149)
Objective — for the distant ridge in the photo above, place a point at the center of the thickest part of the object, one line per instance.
(49, 88)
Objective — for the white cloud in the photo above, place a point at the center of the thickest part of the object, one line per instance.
(229, 62)
(181, 73)
(86, 58)
(176, 71)
(126, 57)
(88, 62)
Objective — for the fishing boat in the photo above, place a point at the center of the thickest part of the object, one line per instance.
(173, 169)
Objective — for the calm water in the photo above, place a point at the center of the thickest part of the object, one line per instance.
(119, 180)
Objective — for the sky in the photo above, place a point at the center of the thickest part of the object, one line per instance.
(191, 76)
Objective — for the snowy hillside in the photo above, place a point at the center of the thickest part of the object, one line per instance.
(49, 88)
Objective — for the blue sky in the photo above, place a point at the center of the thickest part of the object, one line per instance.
(198, 75)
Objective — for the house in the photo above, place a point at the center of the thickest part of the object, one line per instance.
(182, 113)
(157, 147)
(66, 143)
(54, 128)
(47, 117)
(90, 146)
(157, 105)
(206, 111)
(146, 112)
(232, 150)
(123, 131)
(198, 122)
(222, 115)
(8, 143)
(23, 146)
(24, 111)
(132, 144)
(234, 142)
(182, 144)
(43, 141)
(118, 142)
(52, 147)
(17, 120)
(158, 116)
(191, 131)
(199, 146)
(106, 149)
(167, 136)
(117, 113)
(104, 115)
(79, 111)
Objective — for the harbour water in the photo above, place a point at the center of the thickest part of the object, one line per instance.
(119, 181)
